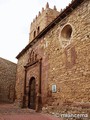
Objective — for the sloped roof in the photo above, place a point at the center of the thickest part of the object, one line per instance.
(74, 4)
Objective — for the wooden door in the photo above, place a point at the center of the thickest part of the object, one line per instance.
(31, 95)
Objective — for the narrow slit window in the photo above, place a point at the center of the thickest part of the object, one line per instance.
(34, 34)
(38, 29)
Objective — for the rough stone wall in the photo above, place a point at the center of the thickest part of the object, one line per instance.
(7, 80)
(72, 81)
(70, 73)
(66, 67)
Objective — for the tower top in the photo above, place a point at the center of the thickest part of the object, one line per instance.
(42, 20)
(44, 9)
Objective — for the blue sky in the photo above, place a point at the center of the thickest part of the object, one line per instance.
(15, 19)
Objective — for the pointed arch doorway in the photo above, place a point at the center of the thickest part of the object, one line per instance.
(31, 94)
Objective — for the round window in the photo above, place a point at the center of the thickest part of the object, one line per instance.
(66, 35)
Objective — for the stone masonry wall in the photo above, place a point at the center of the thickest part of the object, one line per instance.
(7, 80)
(70, 73)
(71, 81)
(66, 67)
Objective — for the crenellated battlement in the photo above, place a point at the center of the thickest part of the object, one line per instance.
(42, 11)
(42, 20)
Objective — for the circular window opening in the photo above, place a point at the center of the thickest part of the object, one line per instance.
(66, 32)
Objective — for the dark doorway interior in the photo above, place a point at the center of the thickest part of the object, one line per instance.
(31, 94)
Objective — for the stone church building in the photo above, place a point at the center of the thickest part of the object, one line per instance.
(54, 68)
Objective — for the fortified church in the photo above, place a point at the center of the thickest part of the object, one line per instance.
(53, 70)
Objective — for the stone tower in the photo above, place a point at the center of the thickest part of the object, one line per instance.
(42, 20)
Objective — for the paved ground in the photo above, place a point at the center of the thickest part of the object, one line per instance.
(11, 112)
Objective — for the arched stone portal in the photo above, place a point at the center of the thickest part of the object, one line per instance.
(32, 88)
(31, 94)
